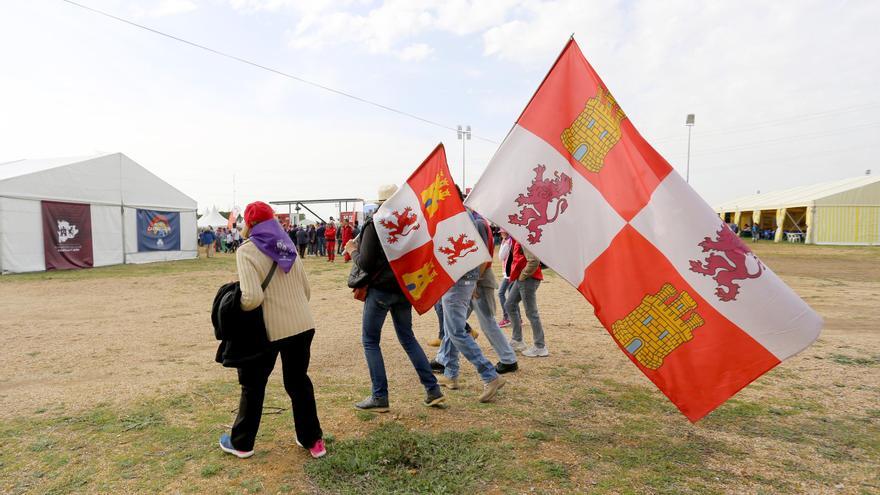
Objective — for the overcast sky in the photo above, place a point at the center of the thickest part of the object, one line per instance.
(784, 92)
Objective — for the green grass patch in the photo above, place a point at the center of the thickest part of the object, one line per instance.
(855, 361)
(554, 470)
(365, 415)
(223, 262)
(537, 435)
(395, 460)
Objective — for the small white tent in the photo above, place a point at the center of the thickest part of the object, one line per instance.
(113, 186)
(212, 218)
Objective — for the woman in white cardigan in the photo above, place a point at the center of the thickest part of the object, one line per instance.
(289, 326)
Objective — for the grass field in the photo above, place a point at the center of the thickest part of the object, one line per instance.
(106, 386)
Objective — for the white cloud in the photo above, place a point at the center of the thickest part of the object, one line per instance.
(167, 8)
(415, 52)
(394, 26)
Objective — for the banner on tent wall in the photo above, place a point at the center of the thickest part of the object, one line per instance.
(158, 230)
(67, 235)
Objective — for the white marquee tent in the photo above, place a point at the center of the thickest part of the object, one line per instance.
(114, 187)
(212, 218)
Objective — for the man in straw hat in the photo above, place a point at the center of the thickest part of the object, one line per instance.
(384, 296)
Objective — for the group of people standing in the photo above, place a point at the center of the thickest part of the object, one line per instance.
(221, 240)
(323, 239)
(272, 277)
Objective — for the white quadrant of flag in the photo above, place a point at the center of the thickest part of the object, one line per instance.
(575, 227)
(677, 221)
(458, 246)
(400, 224)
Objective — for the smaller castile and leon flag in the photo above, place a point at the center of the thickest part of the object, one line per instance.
(428, 235)
(682, 296)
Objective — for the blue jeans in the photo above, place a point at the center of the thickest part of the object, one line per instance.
(438, 308)
(484, 307)
(525, 291)
(456, 303)
(376, 307)
(502, 296)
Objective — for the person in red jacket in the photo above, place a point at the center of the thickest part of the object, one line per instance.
(525, 277)
(330, 237)
(347, 235)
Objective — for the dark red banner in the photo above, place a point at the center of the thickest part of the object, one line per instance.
(67, 235)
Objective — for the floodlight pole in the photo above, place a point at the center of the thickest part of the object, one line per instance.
(463, 135)
(689, 122)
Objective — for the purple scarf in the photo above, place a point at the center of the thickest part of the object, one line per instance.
(271, 239)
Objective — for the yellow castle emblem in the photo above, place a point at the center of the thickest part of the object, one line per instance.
(656, 327)
(595, 131)
(434, 194)
(417, 281)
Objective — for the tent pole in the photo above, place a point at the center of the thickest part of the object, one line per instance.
(122, 211)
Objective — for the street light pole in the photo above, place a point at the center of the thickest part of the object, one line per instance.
(689, 122)
(463, 135)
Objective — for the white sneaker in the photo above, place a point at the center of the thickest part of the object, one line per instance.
(536, 352)
(517, 345)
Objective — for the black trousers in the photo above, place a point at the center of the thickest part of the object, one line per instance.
(295, 353)
(302, 248)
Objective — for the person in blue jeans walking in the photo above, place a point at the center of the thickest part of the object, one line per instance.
(456, 339)
(384, 296)
(483, 304)
(527, 277)
(505, 256)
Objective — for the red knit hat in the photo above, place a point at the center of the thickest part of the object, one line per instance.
(257, 212)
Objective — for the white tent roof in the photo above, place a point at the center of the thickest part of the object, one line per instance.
(212, 218)
(805, 195)
(108, 179)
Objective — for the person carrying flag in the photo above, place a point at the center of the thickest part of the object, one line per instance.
(384, 296)
(456, 303)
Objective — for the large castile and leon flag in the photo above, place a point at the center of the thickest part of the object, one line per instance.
(428, 235)
(691, 306)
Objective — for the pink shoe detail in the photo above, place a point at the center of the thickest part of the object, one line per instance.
(318, 450)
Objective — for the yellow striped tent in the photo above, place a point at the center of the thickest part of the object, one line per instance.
(845, 212)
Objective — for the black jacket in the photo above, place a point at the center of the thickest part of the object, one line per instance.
(370, 257)
(242, 333)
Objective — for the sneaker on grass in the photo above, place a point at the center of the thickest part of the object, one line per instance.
(437, 367)
(490, 390)
(504, 323)
(318, 450)
(536, 352)
(502, 368)
(226, 446)
(517, 345)
(450, 383)
(374, 404)
(435, 399)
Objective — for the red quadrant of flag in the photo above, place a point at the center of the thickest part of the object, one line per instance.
(638, 295)
(576, 114)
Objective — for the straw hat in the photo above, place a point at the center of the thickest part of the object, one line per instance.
(385, 192)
